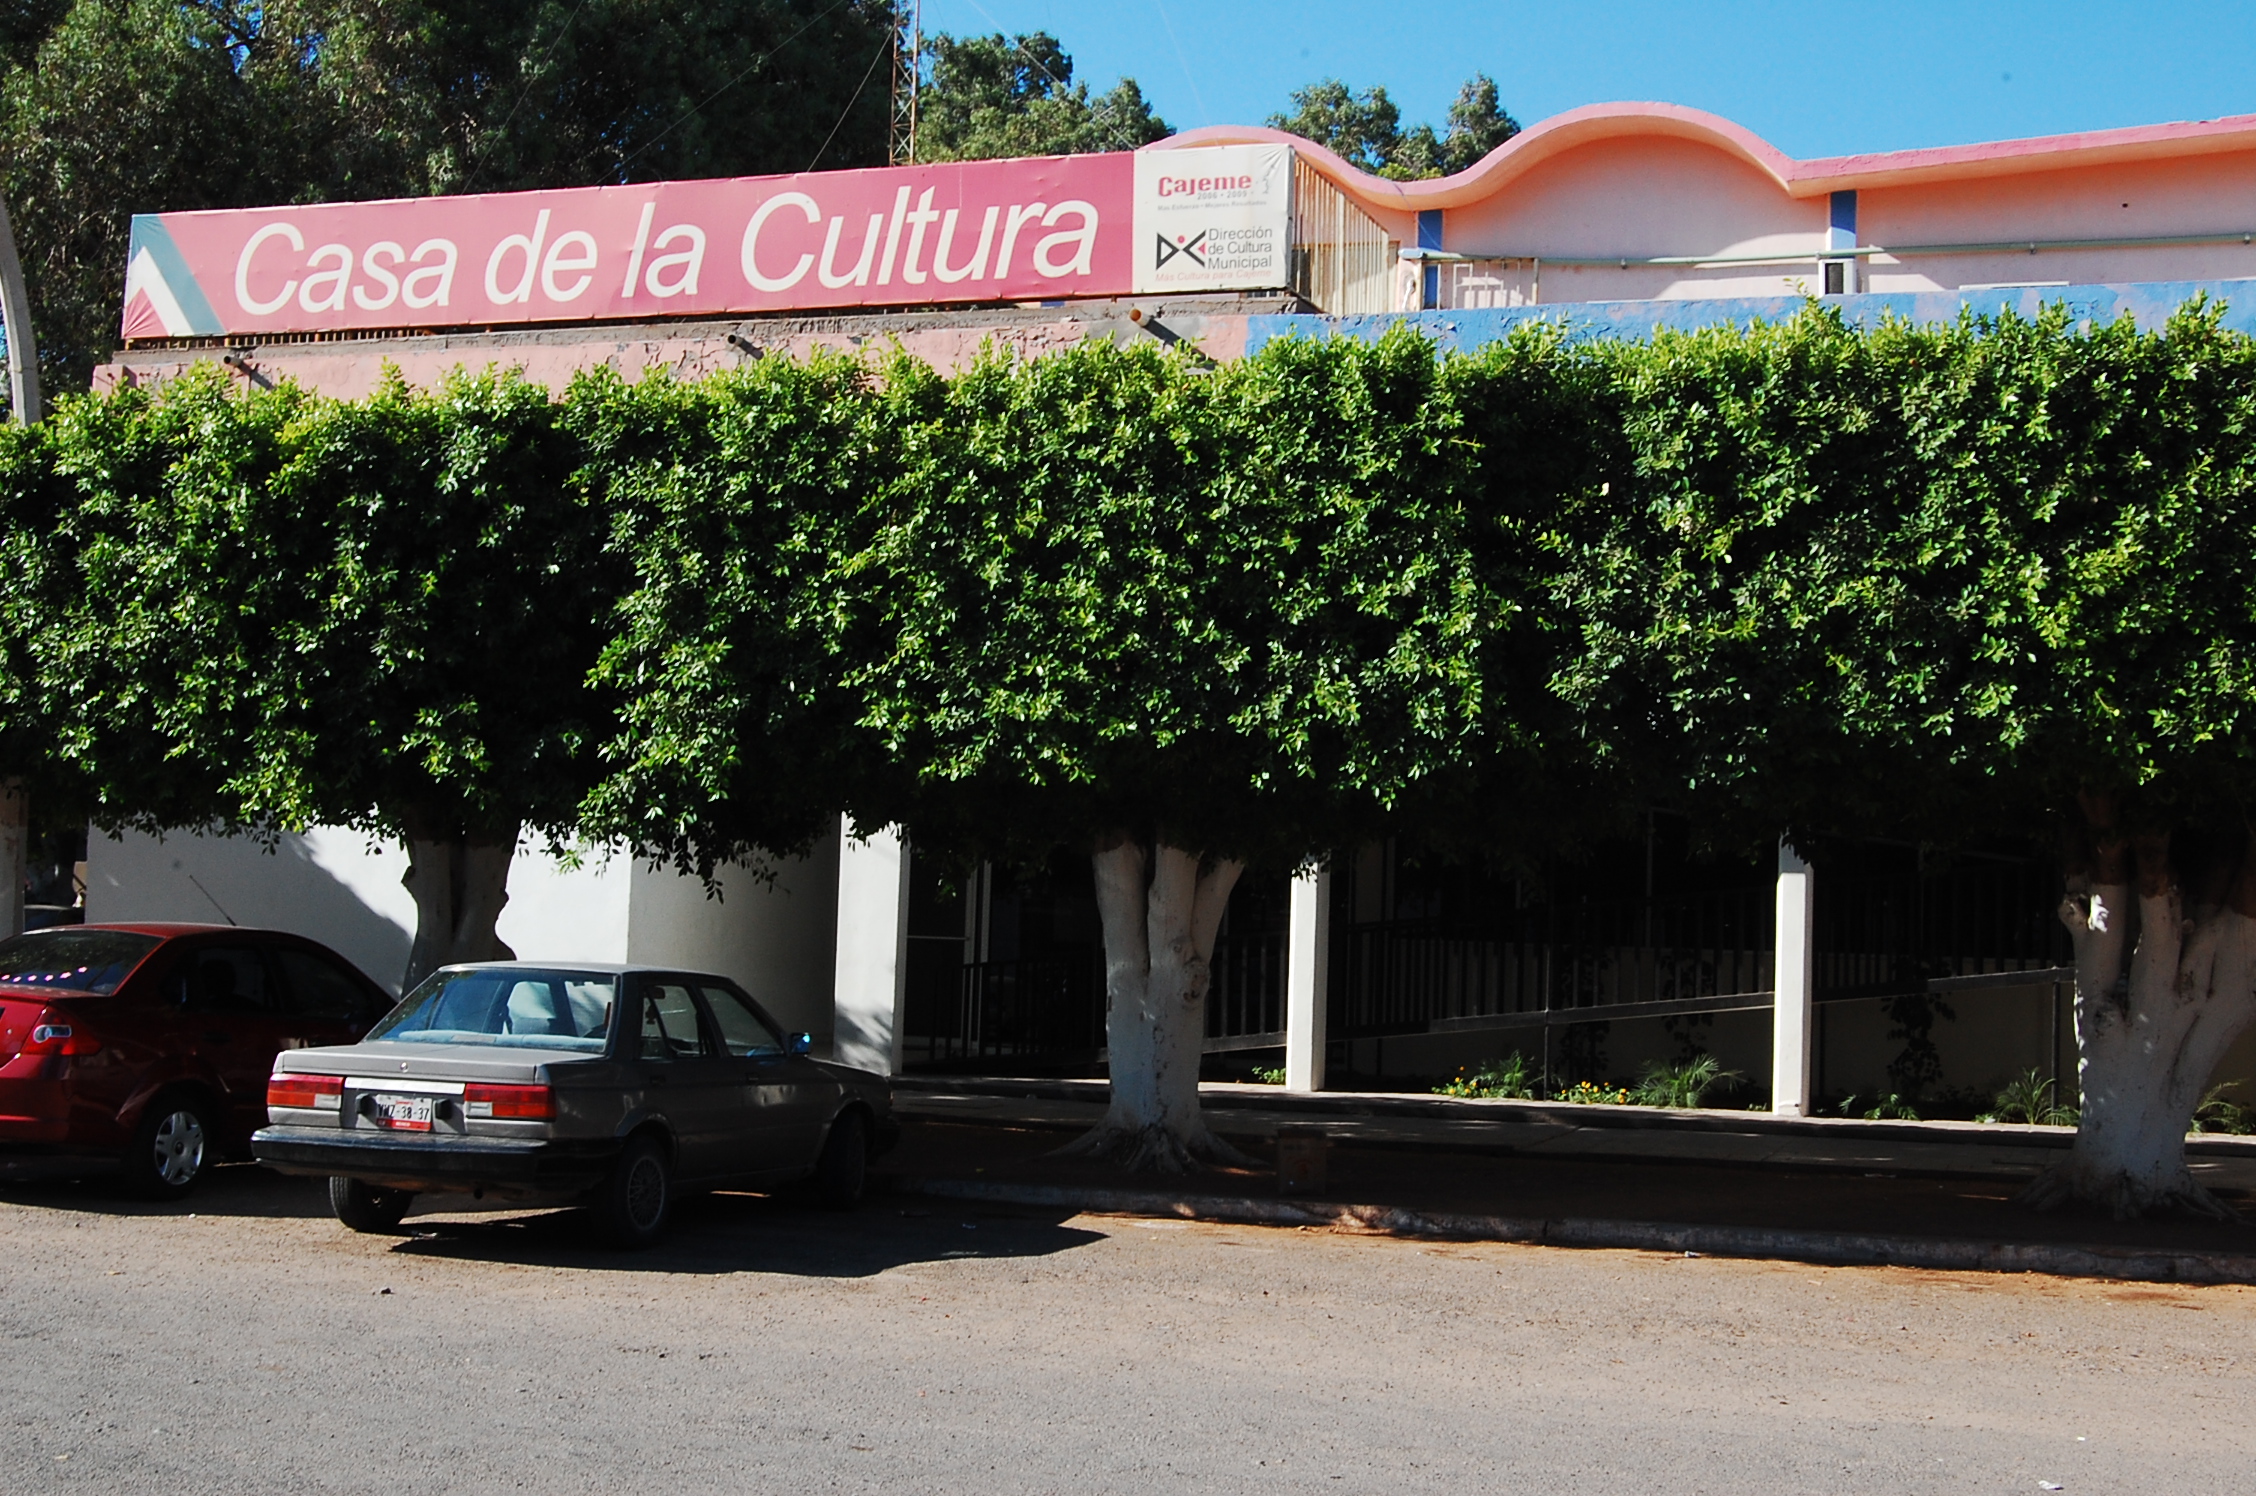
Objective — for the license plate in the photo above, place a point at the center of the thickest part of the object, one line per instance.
(404, 1113)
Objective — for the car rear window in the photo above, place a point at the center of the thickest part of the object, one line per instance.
(517, 1007)
(80, 960)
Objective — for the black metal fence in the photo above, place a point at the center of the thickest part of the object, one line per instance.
(1245, 1008)
(1887, 925)
(1046, 1015)
(1408, 976)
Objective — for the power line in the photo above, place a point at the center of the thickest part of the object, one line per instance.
(882, 48)
(747, 71)
(531, 75)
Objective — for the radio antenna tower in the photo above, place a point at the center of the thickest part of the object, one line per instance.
(908, 62)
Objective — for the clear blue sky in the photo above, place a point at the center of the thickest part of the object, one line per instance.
(1814, 78)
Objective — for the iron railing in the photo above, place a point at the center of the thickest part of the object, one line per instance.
(1885, 926)
(1414, 976)
(1049, 1013)
(1245, 1007)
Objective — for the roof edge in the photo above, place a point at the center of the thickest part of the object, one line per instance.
(1594, 122)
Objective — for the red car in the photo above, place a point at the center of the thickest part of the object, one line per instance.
(146, 1047)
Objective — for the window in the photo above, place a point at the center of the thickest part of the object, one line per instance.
(744, 1031)
(511, 1007)
(318, 988)
(81, 960)
(670, 1030)
(226, 979)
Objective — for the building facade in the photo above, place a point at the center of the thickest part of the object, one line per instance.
(1879, 969)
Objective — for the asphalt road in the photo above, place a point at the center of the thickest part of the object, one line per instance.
(256, 1346)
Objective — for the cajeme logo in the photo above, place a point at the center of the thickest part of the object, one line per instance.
(1203, 186)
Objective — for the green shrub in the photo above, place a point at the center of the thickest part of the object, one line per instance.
(2028, 1098)
(2216, 1114)
(1264, 1075)
(1889, 1108)
(1506, 1080)
(1685, 1085)
(1588, 1093)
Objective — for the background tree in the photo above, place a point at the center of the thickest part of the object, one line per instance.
(1365, 129)
(1478, 124)
(117, 107)
(379, 614)
(996, 96)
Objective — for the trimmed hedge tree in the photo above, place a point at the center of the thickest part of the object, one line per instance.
(1996, 577)
(377, 613)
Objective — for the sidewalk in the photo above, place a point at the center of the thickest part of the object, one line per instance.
(1933, 1194)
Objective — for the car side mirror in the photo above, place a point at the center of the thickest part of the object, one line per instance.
(799, 1043)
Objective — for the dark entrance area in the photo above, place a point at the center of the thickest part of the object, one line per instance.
(1006, 969)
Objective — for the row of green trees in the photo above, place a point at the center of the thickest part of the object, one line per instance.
(1945, 583)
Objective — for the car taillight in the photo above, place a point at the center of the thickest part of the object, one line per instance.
(319, 1092)
(52, 1035)
(523, 1103)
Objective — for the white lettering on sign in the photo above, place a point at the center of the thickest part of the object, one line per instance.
(243, 297)
(528, 245)
(340, 259)
(804, 204)
(959, 231)
(439, 277)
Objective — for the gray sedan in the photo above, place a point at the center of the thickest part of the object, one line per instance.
(617, 1087)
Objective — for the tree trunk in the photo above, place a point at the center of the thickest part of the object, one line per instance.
(1160, 916)
(15, 838)
(459, 884)
(2160, 995)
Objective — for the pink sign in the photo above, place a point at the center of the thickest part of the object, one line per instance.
(1037, 229)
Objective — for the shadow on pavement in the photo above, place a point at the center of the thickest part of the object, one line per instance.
(739, 1233)
(243, 1189)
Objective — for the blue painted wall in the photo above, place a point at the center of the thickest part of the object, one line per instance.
(2149, 303)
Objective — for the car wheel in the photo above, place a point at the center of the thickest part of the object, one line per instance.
(843, 1167)
(170, 1148)
(364, 1207)
(633, 1204)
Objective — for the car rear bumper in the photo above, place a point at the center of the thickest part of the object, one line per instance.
(426, 1164)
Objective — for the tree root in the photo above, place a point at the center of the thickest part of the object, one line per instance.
(1154, 1148)
(2064, 1184)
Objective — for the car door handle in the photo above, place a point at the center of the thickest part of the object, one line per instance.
(654, 1081)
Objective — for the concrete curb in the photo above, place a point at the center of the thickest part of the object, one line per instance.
(2157, 1265)
(1223, 1098)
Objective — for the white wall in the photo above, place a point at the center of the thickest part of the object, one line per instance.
(330, 885)
(774, 937)
(871, 945)
(343, 889)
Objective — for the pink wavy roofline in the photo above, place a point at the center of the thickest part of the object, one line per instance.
(1593, 122)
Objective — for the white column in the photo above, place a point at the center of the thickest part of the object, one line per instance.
(1308, 947)
(1793, 973)
(873, 949)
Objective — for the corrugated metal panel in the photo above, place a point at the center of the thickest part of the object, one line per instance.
(1342, 261)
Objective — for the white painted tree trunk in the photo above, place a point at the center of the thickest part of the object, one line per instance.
(1161, 914)
(2160, 995)
(15, 838)
(459, 886)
